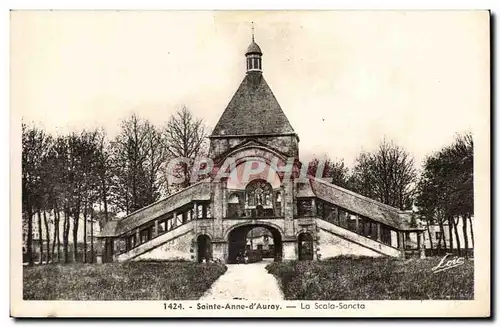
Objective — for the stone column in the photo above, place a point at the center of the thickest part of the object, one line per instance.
(401, 243)
(137, 237)
(99, 249)
(421, 243)
(288, 208)
(289, 252)
(219, 251)
(174, 219)
(314, 210)
(155, 230)
(218, 190)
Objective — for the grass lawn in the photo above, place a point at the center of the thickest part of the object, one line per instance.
(363, 278)
(146, 280)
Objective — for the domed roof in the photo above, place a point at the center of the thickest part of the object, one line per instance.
(253, 48)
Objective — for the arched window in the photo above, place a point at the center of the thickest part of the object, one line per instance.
(259, 193)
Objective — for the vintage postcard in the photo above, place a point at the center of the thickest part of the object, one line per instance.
(250, 163)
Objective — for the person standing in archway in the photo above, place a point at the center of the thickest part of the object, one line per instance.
(245, 256)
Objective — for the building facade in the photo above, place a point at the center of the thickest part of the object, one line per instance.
(306, 217)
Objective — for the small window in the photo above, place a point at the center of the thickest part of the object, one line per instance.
(438, 235)
(162, 227)
(304, 208)
(343, 215)
(208, 211)
(199, 215)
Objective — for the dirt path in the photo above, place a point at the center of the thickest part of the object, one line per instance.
(245, 282)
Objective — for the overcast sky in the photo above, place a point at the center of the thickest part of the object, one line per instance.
(345, 80)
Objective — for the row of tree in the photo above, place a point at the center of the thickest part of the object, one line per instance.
(445, 192)
(84, 177)
(442, 194)
(387, 175)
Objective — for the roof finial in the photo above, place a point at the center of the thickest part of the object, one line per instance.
(253, 32)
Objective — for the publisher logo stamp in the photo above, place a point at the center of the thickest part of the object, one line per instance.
(448, 264)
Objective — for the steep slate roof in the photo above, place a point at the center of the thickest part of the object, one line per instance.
(196, 192)
(359, 204)
(253, 110)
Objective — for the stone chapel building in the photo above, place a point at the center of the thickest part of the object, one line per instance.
(307, 218)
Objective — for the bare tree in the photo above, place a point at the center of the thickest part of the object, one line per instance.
(335, 171)
(35, 148)
(137, 154)
(103, 170)
(446, 186)
(387, 175)
(185, 138)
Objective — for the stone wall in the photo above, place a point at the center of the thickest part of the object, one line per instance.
(181, 248)
(331, 245)
(335, 241)
(176, 244)
(287, 144)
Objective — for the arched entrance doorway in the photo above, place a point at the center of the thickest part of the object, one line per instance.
(242, 238)
(204, 248)
(305, 241)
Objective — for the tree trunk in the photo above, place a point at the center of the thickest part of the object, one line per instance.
(58, 237)
(76, 215)
(430, 237)
(105, 202)
(40, 236)
(29, 241)
(466, 237)
(56, 233)
(66, 235)
(85, 233)
(471, 231)
(92, 235)
(457, 238)
(56, 225)
(442, 239)
(47, 233)
(450, 231)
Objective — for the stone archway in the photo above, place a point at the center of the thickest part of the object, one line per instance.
(306, 246)
(204, 248)
(237, 241)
